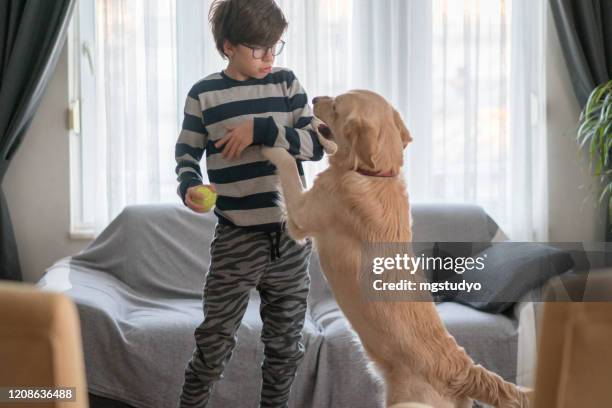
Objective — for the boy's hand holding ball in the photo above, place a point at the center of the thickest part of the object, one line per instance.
(201, 198)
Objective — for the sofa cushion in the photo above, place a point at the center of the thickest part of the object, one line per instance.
(451, 222)
(511, 269)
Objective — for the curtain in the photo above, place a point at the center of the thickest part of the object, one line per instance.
(467, 77)
(585, 33)
(136, 106)
(32, 36)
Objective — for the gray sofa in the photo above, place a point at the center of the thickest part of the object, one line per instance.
(138, 289)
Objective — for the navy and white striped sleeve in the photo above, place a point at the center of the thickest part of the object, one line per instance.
(190, 145)
(300, 140)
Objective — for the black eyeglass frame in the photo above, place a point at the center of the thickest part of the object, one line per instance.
(274, 48)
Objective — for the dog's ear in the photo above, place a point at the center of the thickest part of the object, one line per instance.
(401, 127)
(363, 139)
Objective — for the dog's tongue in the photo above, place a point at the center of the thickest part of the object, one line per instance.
(325, 131)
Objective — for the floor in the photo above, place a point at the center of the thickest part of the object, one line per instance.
(96, 401)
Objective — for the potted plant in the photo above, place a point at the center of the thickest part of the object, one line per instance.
(595, 136)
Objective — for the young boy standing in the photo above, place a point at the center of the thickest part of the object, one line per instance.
(230, 115)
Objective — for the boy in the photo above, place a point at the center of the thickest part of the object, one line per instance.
(229, 115)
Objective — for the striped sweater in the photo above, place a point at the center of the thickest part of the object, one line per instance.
(246, 186)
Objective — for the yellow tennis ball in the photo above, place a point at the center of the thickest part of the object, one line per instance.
(210, 197)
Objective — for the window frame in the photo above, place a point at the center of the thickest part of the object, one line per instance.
(81, 118)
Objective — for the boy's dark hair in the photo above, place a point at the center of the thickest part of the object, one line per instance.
(252, 22)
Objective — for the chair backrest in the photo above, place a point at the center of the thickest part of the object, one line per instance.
(40, 342)
(574, 367)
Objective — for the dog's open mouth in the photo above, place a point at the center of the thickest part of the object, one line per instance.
(325, 131)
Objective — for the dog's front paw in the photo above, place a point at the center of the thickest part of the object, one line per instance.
(329, 146)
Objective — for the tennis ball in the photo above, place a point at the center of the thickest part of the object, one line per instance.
(210, 197)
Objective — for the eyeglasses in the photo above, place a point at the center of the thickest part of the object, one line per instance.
(260, 52)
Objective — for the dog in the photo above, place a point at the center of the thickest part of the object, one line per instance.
(362, 197)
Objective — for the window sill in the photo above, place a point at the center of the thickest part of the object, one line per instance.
(82, 234)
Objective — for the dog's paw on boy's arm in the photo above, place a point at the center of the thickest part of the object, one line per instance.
(329, 146)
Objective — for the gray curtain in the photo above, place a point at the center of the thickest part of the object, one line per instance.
(585, 32)
(32, 34)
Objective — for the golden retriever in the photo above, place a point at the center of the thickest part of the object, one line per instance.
(361, 197)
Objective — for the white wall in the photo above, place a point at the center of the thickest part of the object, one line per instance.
(37, 183)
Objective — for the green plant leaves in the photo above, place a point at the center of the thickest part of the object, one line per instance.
(595, 131)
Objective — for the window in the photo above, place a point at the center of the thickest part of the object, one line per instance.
(467, 77)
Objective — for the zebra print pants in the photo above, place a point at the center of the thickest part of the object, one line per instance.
(277, 266)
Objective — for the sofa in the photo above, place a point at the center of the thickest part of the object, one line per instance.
(138, 291)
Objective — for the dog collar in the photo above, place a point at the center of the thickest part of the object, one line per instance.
(375, 173)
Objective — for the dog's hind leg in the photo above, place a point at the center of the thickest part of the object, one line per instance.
(485, 386)
(403, 386)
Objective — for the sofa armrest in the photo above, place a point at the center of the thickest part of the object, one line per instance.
(528, 313)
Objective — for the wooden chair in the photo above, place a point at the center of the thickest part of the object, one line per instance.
(40, 343)
(574, 367)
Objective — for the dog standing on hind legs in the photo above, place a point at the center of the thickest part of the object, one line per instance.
(362, 198)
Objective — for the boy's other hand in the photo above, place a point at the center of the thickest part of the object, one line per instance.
(193, 194)
(236, 140)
